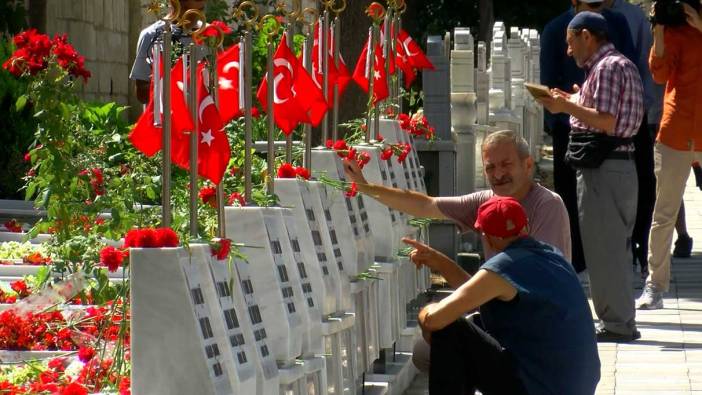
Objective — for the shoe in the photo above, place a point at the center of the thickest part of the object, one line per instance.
(683, 247)
(650, 299)
(606, 336)
(697, 170)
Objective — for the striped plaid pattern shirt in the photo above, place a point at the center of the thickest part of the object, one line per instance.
(612, 85)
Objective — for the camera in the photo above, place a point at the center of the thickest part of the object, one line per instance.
(671, 12)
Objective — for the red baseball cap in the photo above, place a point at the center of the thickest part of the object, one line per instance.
(501, 216)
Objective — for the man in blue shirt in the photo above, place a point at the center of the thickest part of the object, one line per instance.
(558, 70)
(537, 335)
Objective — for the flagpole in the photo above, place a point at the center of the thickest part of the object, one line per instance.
(370, 67)
(166, 153)
(156, 77)
(336, 41)
(245, 64)
(397, 25)
(307, 64)
(221, 219)
(291, 17)
(270, 157)
(324, 59)
(192, 102)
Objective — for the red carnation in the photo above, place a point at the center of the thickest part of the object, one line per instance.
(57, 364)
(404, 121)
(147, 238)
(74, 389)
(351, 154)
(341, 148)
(131, 239)
(364, 158)
(13, 226)
(352, 191)
(167, 237)
(236, 197)
(21, 288)
(220, 248)
(286, 170)
(302, 172)
(329, 143)
(112, 258)
(86, 353)
(208, 195)
(386, 154)
(125, 386)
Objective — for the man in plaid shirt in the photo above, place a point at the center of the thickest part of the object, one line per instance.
(604, 115)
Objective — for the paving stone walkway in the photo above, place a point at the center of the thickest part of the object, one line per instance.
(667, 360)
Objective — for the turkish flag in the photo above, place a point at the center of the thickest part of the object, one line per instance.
(317, 74)
(344, 76)
(402, 61)
(228, 70)
(416, 56)
(380, 79)
(213, 150)
(147, 138)
(296, 98)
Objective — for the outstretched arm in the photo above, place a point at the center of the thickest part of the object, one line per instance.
(410, 202)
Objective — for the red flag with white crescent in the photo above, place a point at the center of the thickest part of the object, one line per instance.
(416, 56)
(148, 138)
(362, 73)
(213, 151)
(228, 69)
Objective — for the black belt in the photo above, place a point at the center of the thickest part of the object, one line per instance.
(621, 155)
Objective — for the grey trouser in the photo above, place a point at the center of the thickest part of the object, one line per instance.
(607, 199)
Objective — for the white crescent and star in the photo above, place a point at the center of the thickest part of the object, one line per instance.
(279, 77)
(207, 138)
(207, 101)
(225, 83)
(230, 65)
(405, 43)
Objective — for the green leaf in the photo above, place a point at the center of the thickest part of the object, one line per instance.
(116, 216)
(21, 102)
(42, 274)
(31, 189)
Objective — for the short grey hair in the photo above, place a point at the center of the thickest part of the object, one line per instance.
(507, 136)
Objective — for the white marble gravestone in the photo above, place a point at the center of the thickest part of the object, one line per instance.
(168, 351)
(230, 321)
(383, 221)
(290, 192)
(311, 341)
(195, 266)
(347, 223)
(276, 296)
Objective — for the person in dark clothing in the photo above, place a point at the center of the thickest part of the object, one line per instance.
(537, 335)
(558, 70)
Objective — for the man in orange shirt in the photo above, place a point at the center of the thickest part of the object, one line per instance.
(675, 60)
